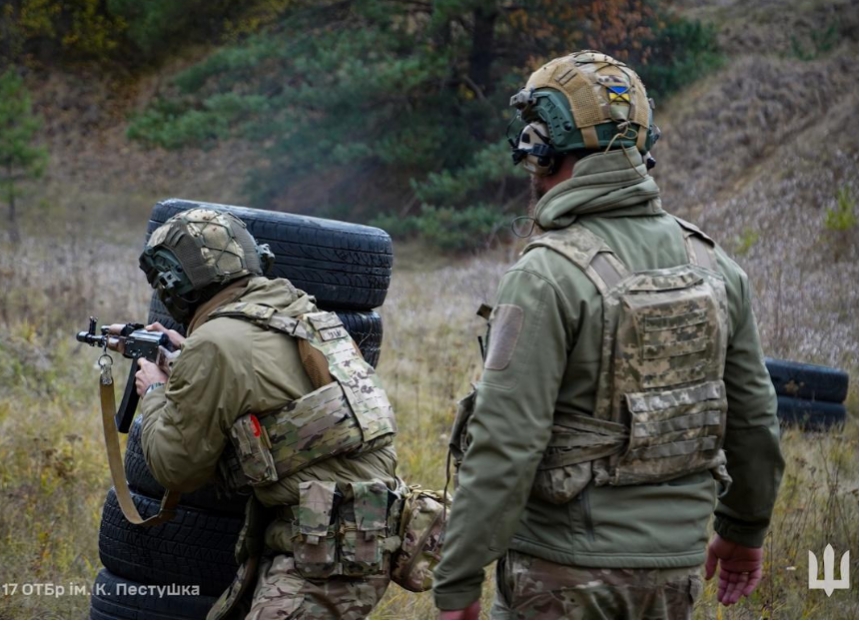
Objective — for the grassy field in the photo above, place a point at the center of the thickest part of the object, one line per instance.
(53, 473)
(762, 154)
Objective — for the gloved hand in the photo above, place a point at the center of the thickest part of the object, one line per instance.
(740, 569)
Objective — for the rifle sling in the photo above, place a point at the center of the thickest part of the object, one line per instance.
(117, 470)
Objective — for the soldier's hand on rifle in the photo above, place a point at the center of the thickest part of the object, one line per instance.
(148, 374)
(175, 338)
(740, 569)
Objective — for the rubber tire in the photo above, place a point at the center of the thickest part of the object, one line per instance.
(811, 415)
(365, 327)
(140, 479)
(343, 265)
(195, 548)
(810, 382)
(107, 603)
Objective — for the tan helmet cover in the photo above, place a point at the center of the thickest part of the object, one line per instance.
(599, 89)
(213, 247)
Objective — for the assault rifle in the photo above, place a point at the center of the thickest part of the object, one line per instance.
(133, 342)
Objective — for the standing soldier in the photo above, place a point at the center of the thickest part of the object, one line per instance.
(624, 389)
(271, 393)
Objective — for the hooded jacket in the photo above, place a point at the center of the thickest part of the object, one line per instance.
(553, 367)
(230, 367)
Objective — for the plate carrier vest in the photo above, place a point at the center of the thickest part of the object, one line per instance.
(660, 408)
(348, 415)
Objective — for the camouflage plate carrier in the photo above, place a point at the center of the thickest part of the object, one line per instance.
(350, 414)
(660, 409)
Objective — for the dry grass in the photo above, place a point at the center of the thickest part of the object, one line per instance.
(53, 474)
(755, 154)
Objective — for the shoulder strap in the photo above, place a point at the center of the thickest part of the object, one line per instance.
(315, 332)
(700, 247)
(588, 252)
(265, 317)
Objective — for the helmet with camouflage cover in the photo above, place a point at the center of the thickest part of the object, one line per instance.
(585, 101)
(195, 253)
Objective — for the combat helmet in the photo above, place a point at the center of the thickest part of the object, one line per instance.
(195, 253)
(586, 101)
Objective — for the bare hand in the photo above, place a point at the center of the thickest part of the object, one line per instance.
(740, 569)
(176, 339)
(472, 611)
(149, 373)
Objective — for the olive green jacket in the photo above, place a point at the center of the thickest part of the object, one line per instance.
(228, 368)
(554, 368)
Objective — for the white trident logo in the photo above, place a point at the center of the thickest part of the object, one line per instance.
(829, 584)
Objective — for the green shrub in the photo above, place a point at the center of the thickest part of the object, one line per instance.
(843, 216)
(473, 228)
(398, 103)
(158, 26)
(682, 51)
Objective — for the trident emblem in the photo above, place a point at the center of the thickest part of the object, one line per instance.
(829, 584)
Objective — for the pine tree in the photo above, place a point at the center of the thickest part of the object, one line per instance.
(19, 158)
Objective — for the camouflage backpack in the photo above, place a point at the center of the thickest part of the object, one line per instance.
(660, 409)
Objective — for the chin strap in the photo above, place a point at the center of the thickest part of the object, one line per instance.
(115, 460)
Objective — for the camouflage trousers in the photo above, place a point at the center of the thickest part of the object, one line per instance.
(531, 588)
(282, 593)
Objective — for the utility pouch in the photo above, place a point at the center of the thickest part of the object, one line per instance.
(253, 451)
(576, 441)
(422, 533)
(672, 433)
(561, 485)
(314, 534)
(363, 528)
(230, 474)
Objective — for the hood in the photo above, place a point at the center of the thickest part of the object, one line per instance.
(280, 293)
(611, 183)
(277, 292)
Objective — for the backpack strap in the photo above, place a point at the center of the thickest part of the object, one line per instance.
(588, 252)
(700, 247)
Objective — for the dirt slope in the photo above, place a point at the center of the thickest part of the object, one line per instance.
(756, 155)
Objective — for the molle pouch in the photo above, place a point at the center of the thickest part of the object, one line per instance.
(673, 433)
(422, 534)
(460, 440)
(230, 474)
(567, 465)
(314, 542)
(561, 485)
(363, 528)
(253, 451)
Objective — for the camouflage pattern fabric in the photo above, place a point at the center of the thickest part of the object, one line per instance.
(282, 593)
(422, 531)
(351, 414)
(358, 379)
(213, 232)
(212, 246)
(533, 588)
(665, 336)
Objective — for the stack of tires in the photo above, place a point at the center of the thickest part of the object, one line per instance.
(810, 396)
(176, 570)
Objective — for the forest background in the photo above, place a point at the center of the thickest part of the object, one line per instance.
(395, 113)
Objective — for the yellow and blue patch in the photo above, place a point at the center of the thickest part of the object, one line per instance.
(618, 93)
